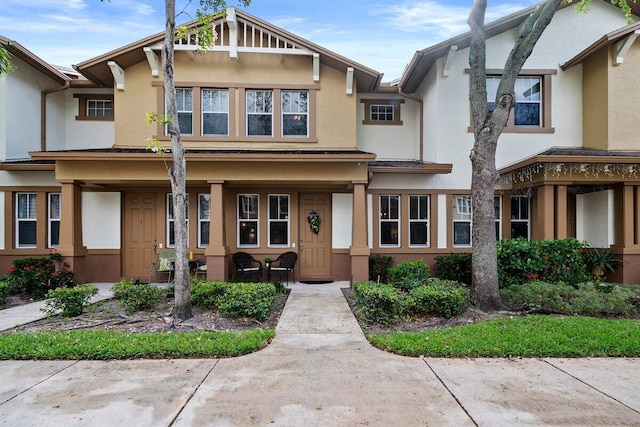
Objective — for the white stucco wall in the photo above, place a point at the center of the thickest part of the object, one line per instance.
(82, 134)
(2, 221)
(595, 217)
(342, 214)
(3, 117)
(28, 178)
(23, 94)
(370, 220)
(391, 142)
(101, 215)
(443, 226)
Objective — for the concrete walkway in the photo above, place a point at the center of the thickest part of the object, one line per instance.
(320, 371)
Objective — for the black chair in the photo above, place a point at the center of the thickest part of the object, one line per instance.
(283, 265)
(247, 267)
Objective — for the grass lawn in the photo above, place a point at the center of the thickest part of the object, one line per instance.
(530, 336)
(101, 345)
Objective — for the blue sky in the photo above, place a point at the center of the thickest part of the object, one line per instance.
(382, 35)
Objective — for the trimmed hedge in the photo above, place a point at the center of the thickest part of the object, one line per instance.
(248, 299)
(70, 301)
(137, 296)
(207, 294)
(443, 298)
(455, 267)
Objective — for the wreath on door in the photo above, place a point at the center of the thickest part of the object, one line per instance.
(314, 221)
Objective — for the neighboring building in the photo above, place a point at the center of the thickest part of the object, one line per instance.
(276, 127)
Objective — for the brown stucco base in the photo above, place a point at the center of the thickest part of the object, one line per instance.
(100, 268)
(340, 266)
(628, 271)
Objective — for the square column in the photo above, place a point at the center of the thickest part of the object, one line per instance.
(71, 245)
(217, 250)
(359, 250)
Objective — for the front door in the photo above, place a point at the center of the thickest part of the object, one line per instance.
(139, 233)
(315, 248)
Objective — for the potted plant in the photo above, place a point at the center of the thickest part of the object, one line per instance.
(267, 261)
(601, 262)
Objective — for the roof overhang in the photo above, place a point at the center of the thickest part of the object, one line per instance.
(410, 167)
(16, 49)
(28, 166)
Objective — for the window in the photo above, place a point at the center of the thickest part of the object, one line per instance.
(295, 113)
(519, 217)
(382, 111)
(462, 221)
(463, 216)
(248, 217)
(528, 109)
(418, 220)
(184, 100)
(26, 220)
(171, 236)
(278, 220)
(215, 112)
(259, 112)
(53, 220)
(95, 107)
(390, 221)
(204, 219)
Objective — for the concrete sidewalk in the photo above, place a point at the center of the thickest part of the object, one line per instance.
(320, 371)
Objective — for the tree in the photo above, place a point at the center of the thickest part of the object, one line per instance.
(487, 128)
(6, 66)
(177, 170)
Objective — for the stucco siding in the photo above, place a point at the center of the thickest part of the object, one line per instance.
(101, 215)
(87, 134)
(342, 216)
(2, 221)
(595, 218)
(624, 92)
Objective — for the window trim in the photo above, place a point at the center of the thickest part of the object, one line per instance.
(397, 220)
(279, 220)
(169, 220)
(51, 220)
(178, 111)
(395, 103)
(271, 114)
(419, 220)
(546, 123)
(240, 220)
(469, 221)
(82, 106)
(283, 113)
(519, 220)
(202, 220)
(31, 218)
(202, 112)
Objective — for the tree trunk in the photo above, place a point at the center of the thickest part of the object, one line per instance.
(487, 128)
(177, 173)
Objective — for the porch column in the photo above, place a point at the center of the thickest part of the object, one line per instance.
(70, 245)
(216, 252)
(626, 234)
(561, 229)
(359, 250)
(545, 215)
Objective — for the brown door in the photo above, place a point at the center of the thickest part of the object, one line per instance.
(315, 249)
(139, 234)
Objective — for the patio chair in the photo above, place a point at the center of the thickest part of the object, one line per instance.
(247, 267)
(283, 265)
(200, 270)
(165, 265)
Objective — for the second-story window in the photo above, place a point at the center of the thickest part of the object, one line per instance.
(382, 111)
(215, 112)
(99, 108)
(295, 113)
(184, 98)
(528, 109)
(259, 112)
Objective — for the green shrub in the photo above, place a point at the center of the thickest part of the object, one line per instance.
(379, 303)
(248, 299)
(409, 274)
(5, 290)
(453, 267)
(586, 299)
(379, 266)
(207, 294)
(71, 301)
(444, 298)
(136, 296)
(36, 276)
(521, 261)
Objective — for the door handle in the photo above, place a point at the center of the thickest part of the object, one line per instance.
(300, 244)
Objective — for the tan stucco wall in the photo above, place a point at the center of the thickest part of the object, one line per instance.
(335, 112)
(595, 101)
(624, 92)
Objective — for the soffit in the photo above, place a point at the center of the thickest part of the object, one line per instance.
(16, 49)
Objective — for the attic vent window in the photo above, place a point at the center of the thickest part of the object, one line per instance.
(382, 111)
(94, 107)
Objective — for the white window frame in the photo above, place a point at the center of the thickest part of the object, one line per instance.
(419, 220)
(253, 110)
(463, 207)
(52, 218)
(202, 219)
(519, 220)
(221, 107)
(181, 106)
(171, 220)
(521, 97)
(279, 219)
(498, 214)
(382, 114)
(31, 215)
(99, 108)
(300, 112)
(388, 219)
(250, 208)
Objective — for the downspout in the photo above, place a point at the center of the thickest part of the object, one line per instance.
(421, 104)
(43, 112)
